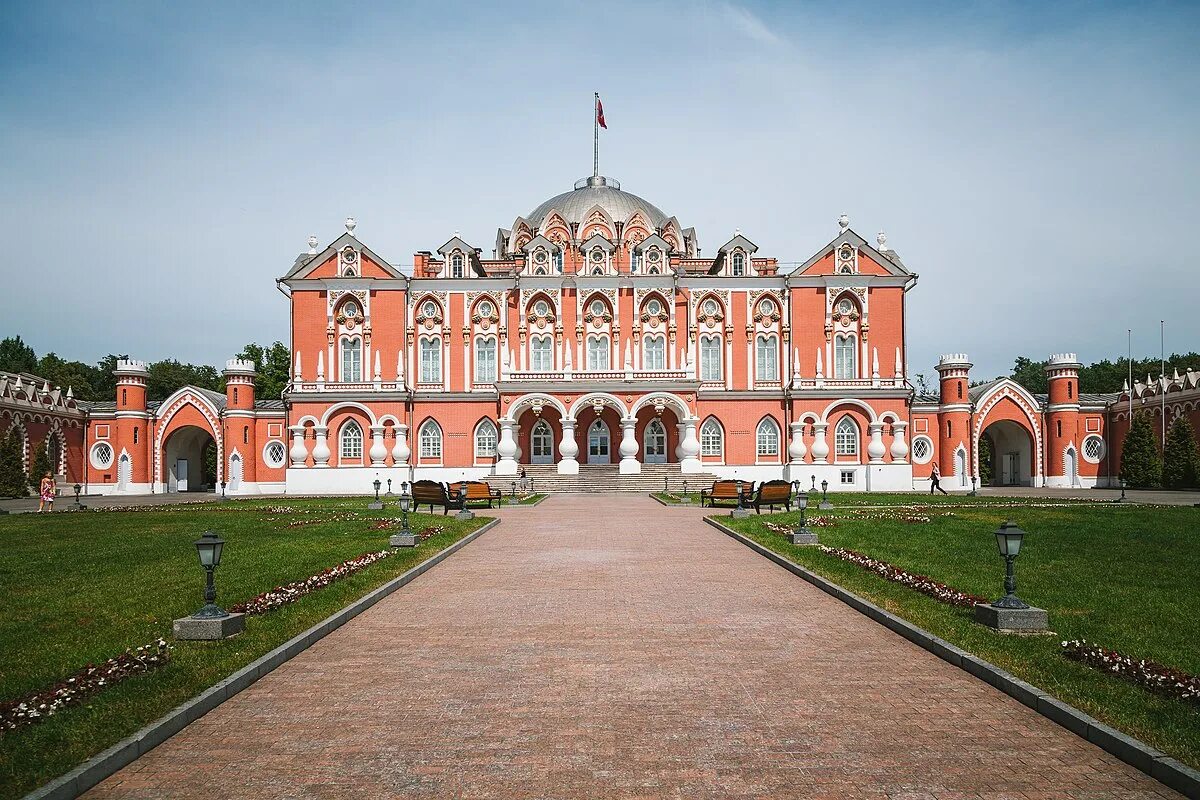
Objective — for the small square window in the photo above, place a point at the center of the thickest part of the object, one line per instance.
(847, 477)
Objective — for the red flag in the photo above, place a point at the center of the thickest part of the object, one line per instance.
(600, 113)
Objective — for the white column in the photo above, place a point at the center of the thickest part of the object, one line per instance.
(875, 449)
(400, 450)
(506, 448)
(378, 451)
(320, 451)
(299, 451)
(820, 447)
(899, 446)
(568, 449)
(689, 447)
(797, 450)
(629, 447)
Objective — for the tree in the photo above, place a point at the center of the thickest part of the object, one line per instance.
(1181, 462)
(985, 460)
(274, 367)
(167, 376)
(12, 467)
(16, 356)
(74, 374)
(39, 467)
(1031, 374)
(1141, 468)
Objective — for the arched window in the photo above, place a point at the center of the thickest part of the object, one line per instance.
(845, 438)
(456, 265)
(430, 441)
(655, 356)
(557, 259)
(711, 438)
(245, 434)
(135, 434)
(431, 360)
(767, 437)
(710, 358)
(485, 439)
(352, 359)
(351, 448)
(541, 353)
(959, 390)
(597, 353)
(637, 261)
(738, 267)
(485, 360)
(767, 363)
(845, 357)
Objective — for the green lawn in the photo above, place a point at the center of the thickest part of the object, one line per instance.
(81, 587)
(1123, 576)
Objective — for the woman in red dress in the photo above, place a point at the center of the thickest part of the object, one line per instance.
(46, 491)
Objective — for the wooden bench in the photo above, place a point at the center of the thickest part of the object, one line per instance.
(725, 491)
(771, 494)
(477, 492)
(432, 493)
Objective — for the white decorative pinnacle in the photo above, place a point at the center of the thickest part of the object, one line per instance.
(350, 225)
(298, 374)
(844, 222)
(881, 241)
(70, 392)
(737, 232)
(312, 245)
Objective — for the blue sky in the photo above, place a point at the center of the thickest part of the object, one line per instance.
(164, 163)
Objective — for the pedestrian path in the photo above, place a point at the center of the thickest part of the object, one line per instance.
(601, 647)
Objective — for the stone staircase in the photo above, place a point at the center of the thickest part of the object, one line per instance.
(606, 478)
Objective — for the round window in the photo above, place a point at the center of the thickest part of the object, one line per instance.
(767, 308)
(845, 306)
(653, 255)
(430, 309)
(540, 256)
(846, 253)
(541, 309)
(350, 309)
(485, 309)
(1093, 449)
(654, 308)
(274, 454)
(597, 255)
(710, 308)
(597, 308)
(922, 449)
(102, 455)
(348, 255)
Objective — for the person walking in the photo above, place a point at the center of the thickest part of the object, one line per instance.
(46, 493)
(524, 481)
(935, 481)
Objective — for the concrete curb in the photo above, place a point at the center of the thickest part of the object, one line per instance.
(104, 764)
(1154, 763)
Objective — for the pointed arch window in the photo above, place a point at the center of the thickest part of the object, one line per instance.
(710, 358)
(767, 361)
(845, 357)
(597, 353)
(430, 441)
(655, 354)
(431, 360)
(541, 353)
(485, 439)
(767, 438)
(485, 359)
(712, 439)
(351, 359)
(845, 438)
(351, 447)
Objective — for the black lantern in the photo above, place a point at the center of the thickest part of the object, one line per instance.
(389, 491)
(209, 547)
(796, 488)
(802, 504)
(405, 505)
(1008, 542)
(814, 483)
(531, 486)
(1120, 499)
(739, 491)
(222, 490)
(514, 490)
(77, 488)
(973, 479)
(685, 488)
(377, 484)
(824, 491)
(665, 479)
(404, 487)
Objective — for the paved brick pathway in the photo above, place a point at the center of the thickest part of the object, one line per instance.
(585, 649)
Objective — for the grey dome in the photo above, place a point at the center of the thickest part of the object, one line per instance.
(601, 191)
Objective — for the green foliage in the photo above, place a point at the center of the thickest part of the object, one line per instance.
(16, 356)
(274, 366)
(1101, 377)
(39, 467)
(1031, 374)
(986, 457)
(1181, 462)
(12, 467)
(1141, 467)
(169, 375)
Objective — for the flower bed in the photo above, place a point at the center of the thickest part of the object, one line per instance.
(291, 592)
(88, 681)
(811, 522)
(1156, 677)
(921, 583)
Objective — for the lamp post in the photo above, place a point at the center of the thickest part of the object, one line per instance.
(825, 504)
(78, 505)
(684, 498)
(1010, 612)
(222, 490)
(1120, 499)
(405, 537)
(802, 535)
(814, 483)
(512, 498)
(389, 491)
(973, 479)
(741, 512)
(211, 621)
(376, 504)
(665, 484)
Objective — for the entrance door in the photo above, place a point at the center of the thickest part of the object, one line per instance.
(960, 466)
(1012, 469)
(1071, 467)
(656, 443)
(181, 475)
(541, 443)
(598, 443)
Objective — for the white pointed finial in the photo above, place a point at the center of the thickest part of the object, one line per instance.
(350, 225)
(312, 245)
(71, 392)
(45, 387)
(737, 231)
(1125, 389)
(298, 374)
(456, 234)
(881, 240)
(820, 370)
(378, 370)
(844, 221)
(899, 363)
(321, 366)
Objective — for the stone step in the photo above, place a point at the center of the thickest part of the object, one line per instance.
(606, 478)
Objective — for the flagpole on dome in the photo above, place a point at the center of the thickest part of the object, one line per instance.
(596, 136)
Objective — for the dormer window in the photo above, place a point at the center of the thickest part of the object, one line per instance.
(846, 260)
(456, 265)
(597, 255)
(738, 265)
(349, 262)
